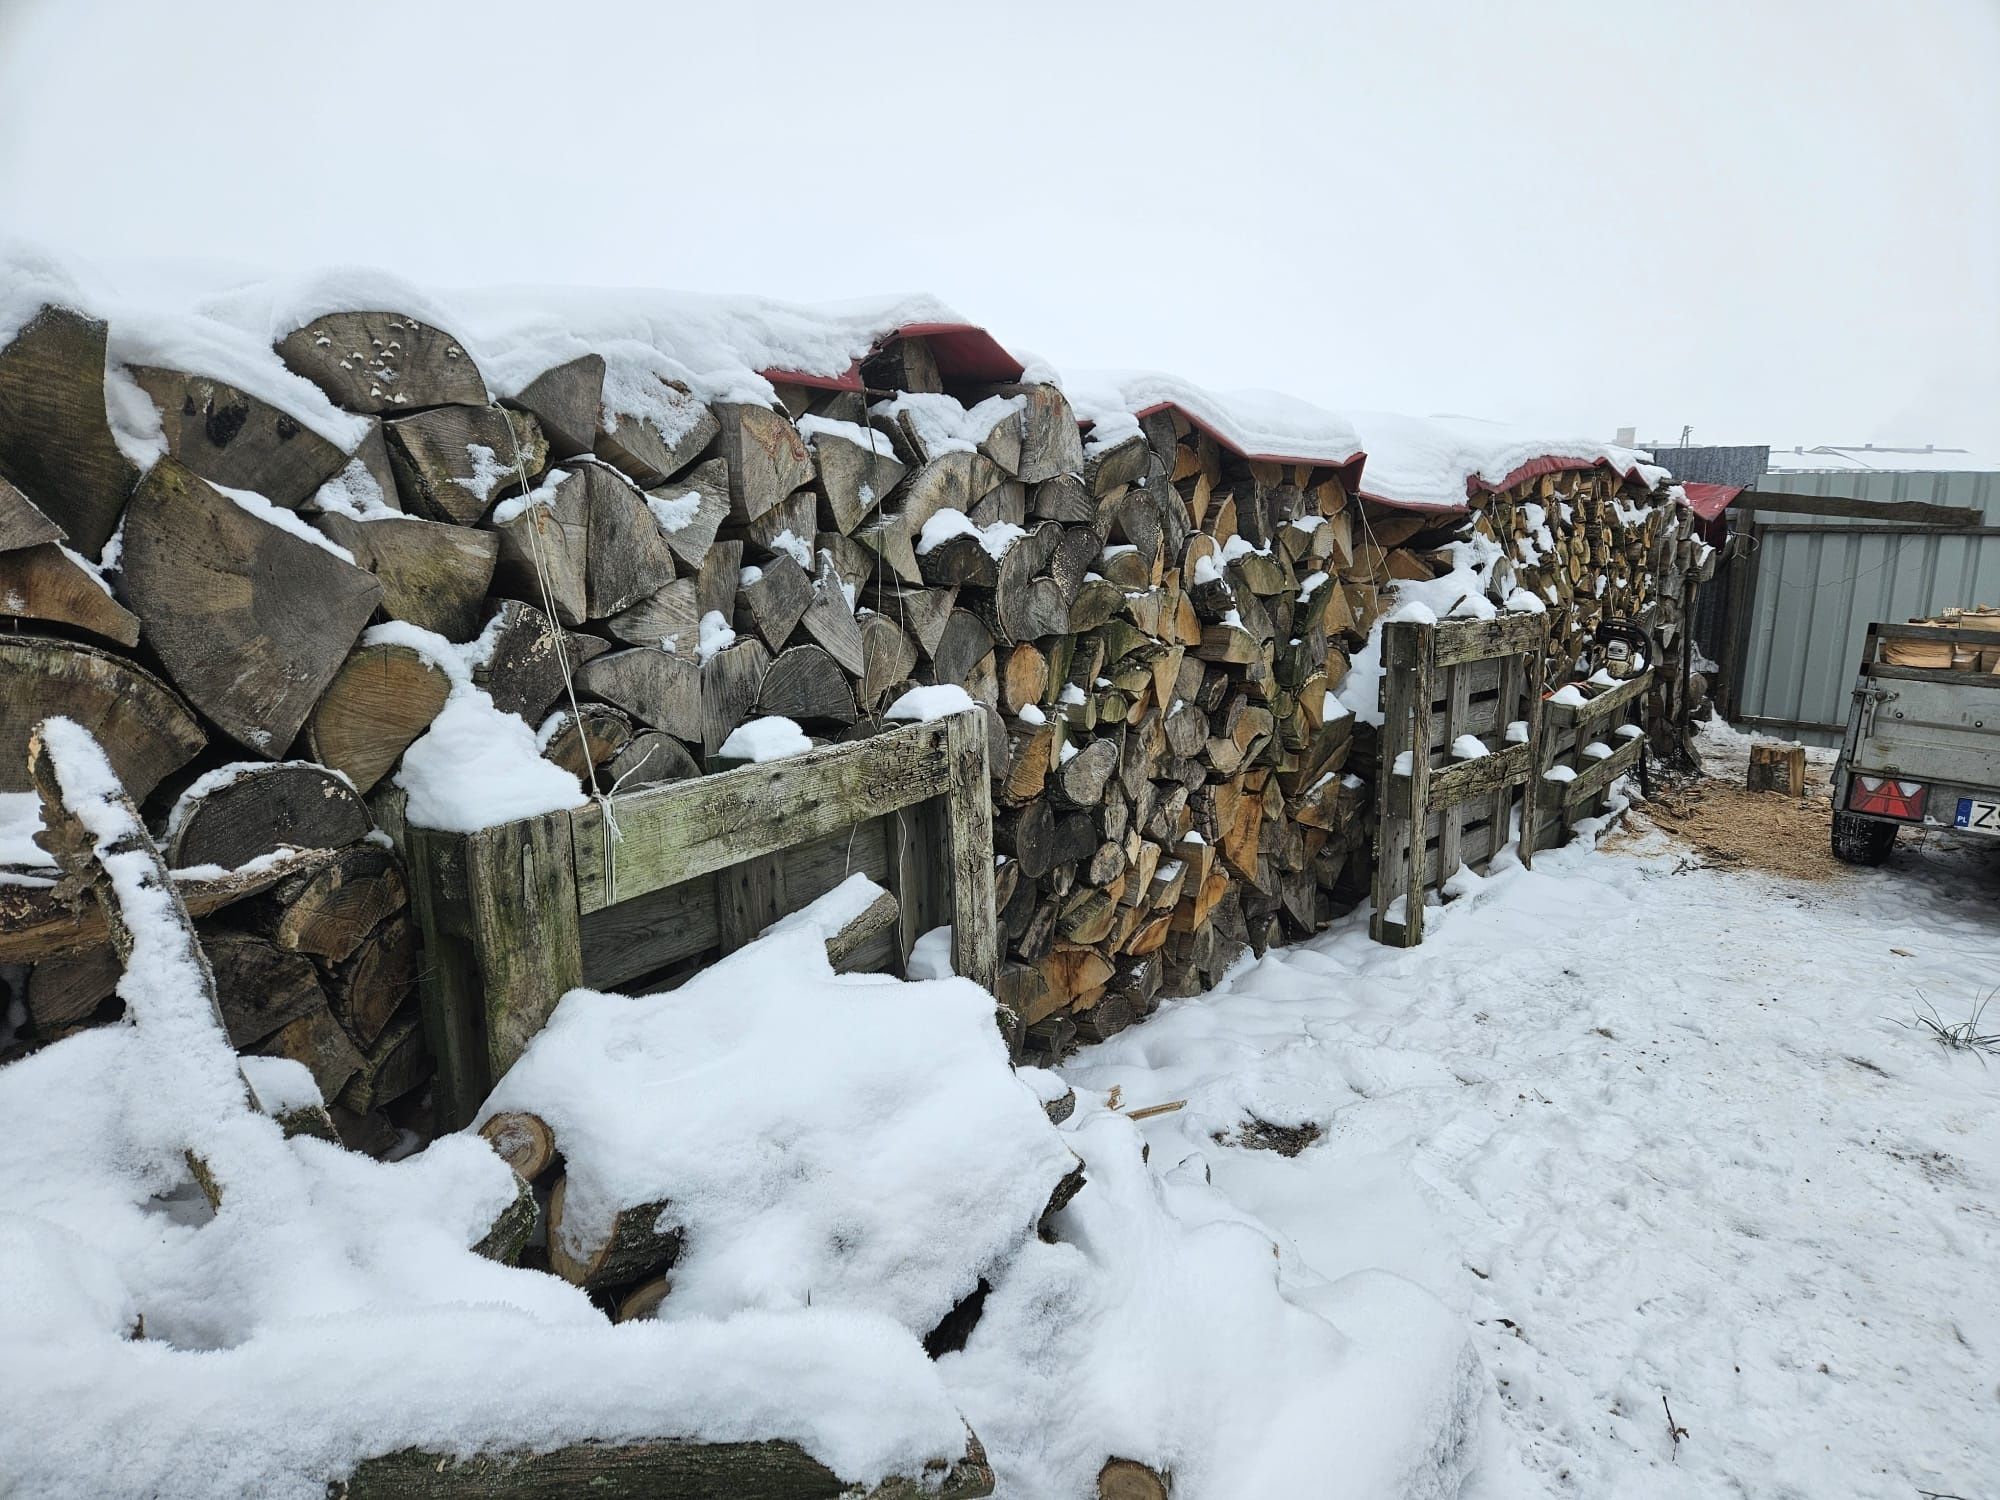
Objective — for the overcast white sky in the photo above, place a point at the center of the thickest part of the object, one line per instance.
(1775, 220)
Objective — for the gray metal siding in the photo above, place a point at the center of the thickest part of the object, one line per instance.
(1818, 590)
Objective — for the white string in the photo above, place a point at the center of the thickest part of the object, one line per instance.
(557, 638)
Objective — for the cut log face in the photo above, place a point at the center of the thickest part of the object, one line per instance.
(952, 481)
(651, 758)
(21, 523)
(318, 1041)
(805, 685)
(259, 986)
(521, 669)
(628, 556)
(326, 912)
(370, 987)
(730, 682)
(672, 615)
(544, 546)
(636, 1247)
(581, 744)
(888, 657)
(264, 808)
(251, 621)
(566, 401)
(452, 462)
(853, 479)
(433, 575)
(376, 362)
(233, 438)
(144, 727)
(651, 447)
(522, 1140)
(692, 509)
(66, 992)
(767, 458)
(55, 436)
(375, 707)
(396, 1063)
(52, 583)
(660, 689)
(774, 602)
(830, 621)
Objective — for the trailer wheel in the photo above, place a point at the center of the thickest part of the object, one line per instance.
(1861, 841)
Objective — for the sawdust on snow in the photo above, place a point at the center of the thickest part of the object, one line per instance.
(1731, 827)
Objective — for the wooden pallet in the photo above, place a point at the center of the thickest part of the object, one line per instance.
(516, 915)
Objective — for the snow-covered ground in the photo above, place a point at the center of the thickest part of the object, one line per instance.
(1654, 1131)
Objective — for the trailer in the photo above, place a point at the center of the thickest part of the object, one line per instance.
(1922, 747)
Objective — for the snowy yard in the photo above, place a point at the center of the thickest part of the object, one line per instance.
(1653, 1129)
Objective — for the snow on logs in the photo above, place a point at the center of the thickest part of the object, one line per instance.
(1157, 627)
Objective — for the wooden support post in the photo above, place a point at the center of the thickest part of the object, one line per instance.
(1451, 818)
(975, 944)
(1531, 789)
(1406, 726)
(501, 946)
(916, 843)
(1509, 699)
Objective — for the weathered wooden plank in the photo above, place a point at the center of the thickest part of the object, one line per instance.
(1597, 775)
(1503, 635)
(657, 1469)
(975, 944)
(916, 840)
(1457, 695)
(1570, 716)
(1467, 779)
(684, 829)
(1533, 667)
(1406, 722)
(501, 946)
(637, 937)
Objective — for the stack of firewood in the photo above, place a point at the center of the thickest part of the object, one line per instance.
(1155, 625)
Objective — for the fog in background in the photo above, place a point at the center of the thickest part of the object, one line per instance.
(1772, 220)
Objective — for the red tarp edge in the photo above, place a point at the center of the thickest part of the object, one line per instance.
(1710, 500)
(964, 351)
(1349, 469)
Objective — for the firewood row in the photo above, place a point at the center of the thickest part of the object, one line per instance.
(1155, 625)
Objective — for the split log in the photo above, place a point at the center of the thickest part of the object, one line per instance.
(233, 438)
(145, 729)
(766, 457)
(376, 362)
(922, 613)
(21, 523)
(396, 1065)
(451, 463)
(318, 1041)
(854, 477)
(773, 601)
(55, 435)
(1080, 781)
(251, 621)
(644, 1300)
(383, 697)
(805, 685)
(587, 739)
(829, 620)
(964, 643)
(660, 689)
(327, 911)
(730, 683)
(651, 758)
(669, 618)
(51, 583)
(566, 400)
(692, 509)
(66, 992)
(367, 990)
(433, 575)
(636, 1246)
(521, 667)
(522, 1140)
(651, 445)
(887, 658)
(264, 808)
(260, 987)
(1127, 1479)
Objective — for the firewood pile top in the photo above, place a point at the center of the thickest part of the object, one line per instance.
(340, 548)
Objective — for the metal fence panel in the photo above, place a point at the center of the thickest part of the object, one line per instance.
(1822, 581)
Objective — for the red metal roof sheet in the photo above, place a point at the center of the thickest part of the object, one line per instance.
(964, 351)
(1710, 500)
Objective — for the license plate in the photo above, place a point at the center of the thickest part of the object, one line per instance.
(1977, 815)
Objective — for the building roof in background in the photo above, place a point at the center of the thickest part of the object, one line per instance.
(1715, 465)
(1865, 458)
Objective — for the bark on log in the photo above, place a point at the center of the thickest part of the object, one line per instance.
(635, 1246)
(251, 621)
(327, 911)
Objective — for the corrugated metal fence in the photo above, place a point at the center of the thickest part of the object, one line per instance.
(1820, 581)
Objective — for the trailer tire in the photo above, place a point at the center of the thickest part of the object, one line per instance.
(1861, 841)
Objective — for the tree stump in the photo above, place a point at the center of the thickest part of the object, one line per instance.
(1777, 768)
